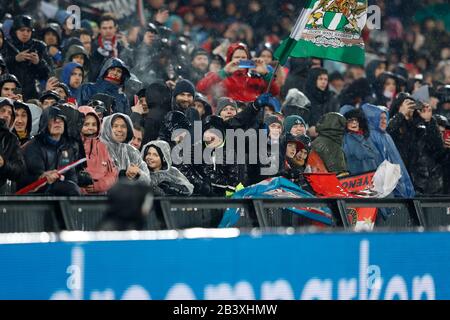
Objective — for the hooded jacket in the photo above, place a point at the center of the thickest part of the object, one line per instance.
(421, 147)
(65, 78)
(328, 144)
(158, 97)
(100, 165)
(123, 154)
(14, 163)
(44, 154)
(27, 137)
(168, 181)
(386, 149)
(25, 71)
(238, 86)
(322, 102)
(71, 52)
(360, 153)
(104, 86)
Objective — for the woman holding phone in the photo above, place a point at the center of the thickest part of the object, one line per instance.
(242, 78)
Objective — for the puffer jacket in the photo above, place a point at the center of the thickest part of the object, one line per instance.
(104, 86)
(238, 86)
(329, 143)
(169, 181)
(100, 165)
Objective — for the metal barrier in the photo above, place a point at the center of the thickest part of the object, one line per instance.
(49, 214)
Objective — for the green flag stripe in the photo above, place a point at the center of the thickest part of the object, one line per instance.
(351, 55)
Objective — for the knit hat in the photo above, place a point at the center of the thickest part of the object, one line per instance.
(223, 102)
(184, 86)
(290, 121)
(199, 52)
(272, 119)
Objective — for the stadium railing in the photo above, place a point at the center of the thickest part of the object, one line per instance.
(55, 214)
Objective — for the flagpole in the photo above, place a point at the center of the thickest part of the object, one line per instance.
(273, 75)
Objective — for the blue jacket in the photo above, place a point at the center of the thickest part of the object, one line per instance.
(106, 87)
(386, 149)
(65, 78)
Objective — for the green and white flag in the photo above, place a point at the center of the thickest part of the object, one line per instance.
(328, 29)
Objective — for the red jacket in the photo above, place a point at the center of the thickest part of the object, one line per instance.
(99, 163)
(238, 86)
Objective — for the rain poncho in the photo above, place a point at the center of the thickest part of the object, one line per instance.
(328, 144)
(387, 149)
(168, 180)
(123, 154)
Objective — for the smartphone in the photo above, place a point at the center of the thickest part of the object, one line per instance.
(446, 134)
(247, 64)
(17, 91)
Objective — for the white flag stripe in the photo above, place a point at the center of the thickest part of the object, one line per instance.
(335, 22)
(300, 24)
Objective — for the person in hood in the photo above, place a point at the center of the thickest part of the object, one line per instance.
(417, 137)
(216, 172)
(23, 122)
(100, 165)
(377, 117)
(77, 54)
(322, 99)
(12, 163)
(360, 153)
(112, 77)
(236, 83)
(116, 133)
(9, 87)
(158, 99)
(385, 89)
(49, 151)
(329, 143)
(166, 180)
(374, 69)
(49, 98)
(52, 38)
(296, 103)
(26, 57)
(202, 105)
(73, 76)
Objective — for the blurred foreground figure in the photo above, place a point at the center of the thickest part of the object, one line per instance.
(129, 205)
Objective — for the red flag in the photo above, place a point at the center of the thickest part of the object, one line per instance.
(327, 185)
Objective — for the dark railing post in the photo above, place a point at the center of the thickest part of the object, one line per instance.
(342, 208)
(166, 209)
(259, 210)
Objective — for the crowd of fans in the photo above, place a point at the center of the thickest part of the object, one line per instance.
(124, 96)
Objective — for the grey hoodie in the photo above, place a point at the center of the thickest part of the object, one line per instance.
(123, 154)
(168, 173)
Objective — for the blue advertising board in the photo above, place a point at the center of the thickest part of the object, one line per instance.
(299, 266)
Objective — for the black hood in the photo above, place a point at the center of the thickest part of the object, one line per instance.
(158, 96)
(370, 69)
(312, 92)
(48, 114)
(21, 105)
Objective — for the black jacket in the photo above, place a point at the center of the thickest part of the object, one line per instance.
(322, 102)
(26, 72)
(422, 150)
(42, 154)
(14, 163)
